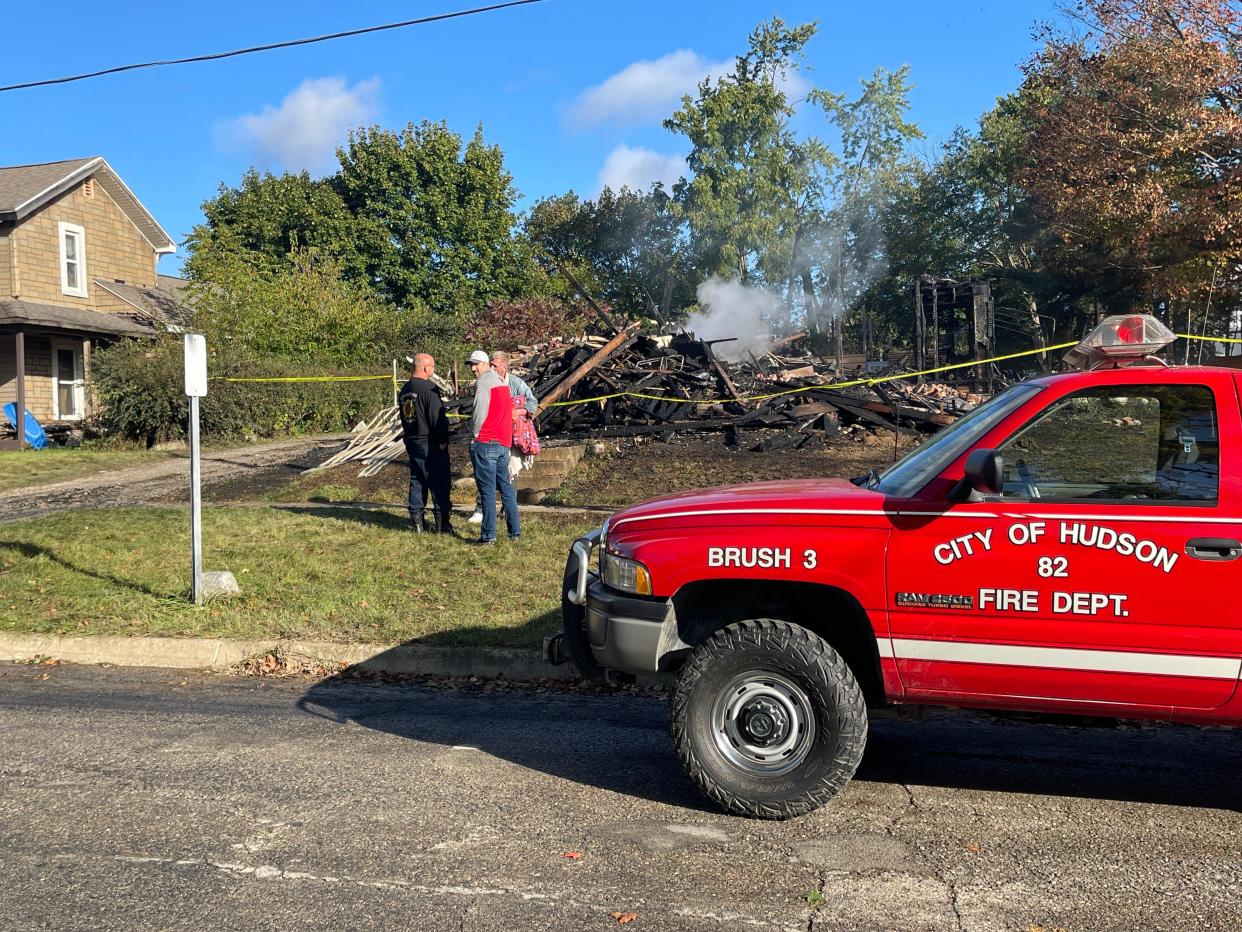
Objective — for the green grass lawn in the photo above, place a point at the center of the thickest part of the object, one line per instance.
(22, 468)
(333, 574)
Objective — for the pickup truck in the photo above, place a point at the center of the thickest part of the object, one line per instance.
(1070, 546)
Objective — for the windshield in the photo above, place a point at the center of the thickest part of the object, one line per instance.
(909, 474)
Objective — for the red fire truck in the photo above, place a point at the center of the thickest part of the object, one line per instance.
(1071, 546)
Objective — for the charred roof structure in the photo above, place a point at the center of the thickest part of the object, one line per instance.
(954, 322)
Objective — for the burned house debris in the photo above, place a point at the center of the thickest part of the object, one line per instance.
(954, 322)
(641, 384)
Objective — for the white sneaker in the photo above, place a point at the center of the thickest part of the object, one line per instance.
(476, 518)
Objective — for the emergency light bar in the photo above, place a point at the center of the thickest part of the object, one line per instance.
(1120, 339)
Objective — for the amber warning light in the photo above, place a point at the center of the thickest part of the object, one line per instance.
(1121, 340)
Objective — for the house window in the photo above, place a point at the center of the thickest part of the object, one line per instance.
(68, 389)
(72, 260)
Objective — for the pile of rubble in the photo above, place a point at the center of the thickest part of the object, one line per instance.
(636, 384)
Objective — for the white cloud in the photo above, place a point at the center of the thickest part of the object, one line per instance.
(636, 168)
(304, 131)
(652, 90)
(645, 90)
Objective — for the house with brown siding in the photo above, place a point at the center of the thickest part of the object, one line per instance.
(78, 255)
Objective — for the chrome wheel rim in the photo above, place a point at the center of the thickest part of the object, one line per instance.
(763, 723)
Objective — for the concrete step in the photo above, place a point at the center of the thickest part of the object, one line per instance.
(552, 467)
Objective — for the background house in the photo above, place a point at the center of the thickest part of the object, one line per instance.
(78, 255)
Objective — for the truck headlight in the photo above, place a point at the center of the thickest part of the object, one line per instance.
(625, 575)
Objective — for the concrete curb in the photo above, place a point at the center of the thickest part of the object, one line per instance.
(222, 654)
(588, 510)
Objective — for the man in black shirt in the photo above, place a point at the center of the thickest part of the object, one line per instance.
(424, 428)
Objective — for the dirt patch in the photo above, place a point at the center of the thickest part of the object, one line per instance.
(228, 475)
(635, 470)
(627, 471)
(390, 486)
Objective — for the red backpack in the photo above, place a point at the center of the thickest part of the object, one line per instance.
(525, 439)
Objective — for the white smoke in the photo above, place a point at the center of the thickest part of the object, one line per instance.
(730, 309)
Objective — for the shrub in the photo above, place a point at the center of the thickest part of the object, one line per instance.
(506, 324)
(139, 387)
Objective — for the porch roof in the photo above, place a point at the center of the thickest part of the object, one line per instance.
(15, 314)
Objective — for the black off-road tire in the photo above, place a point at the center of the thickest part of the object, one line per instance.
(802, 658)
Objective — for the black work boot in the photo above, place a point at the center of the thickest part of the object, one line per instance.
(442, 525)
(417, 522)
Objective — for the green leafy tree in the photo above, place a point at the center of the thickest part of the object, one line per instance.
(849, 242)
(304, 311)
(628, 247)
(966, 215)
(265, 218)
(433, 222)
(415, 217)
(749, 169)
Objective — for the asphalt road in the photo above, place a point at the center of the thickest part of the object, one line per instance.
(156, 800)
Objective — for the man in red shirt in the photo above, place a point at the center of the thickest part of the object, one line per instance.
(492, 430)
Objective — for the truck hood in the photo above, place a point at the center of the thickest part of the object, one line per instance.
(733, 503)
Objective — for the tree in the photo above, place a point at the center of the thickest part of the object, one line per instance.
(412, 217)
(967, 216)
(875, 137)
(628, 247)
(1136, 142)
(303, 311)
(431, 222)
(749, 171)
(266, 218)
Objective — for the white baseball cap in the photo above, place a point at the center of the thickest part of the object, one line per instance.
(479, 356)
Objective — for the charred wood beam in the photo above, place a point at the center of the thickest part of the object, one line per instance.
(622, 339)
(586, 295)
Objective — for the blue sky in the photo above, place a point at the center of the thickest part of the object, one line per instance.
(573, 90)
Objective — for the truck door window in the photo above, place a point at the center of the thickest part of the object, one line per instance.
(1135, 443)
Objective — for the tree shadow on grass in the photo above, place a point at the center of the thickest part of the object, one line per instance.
(26, 549)
(375, 517)
(388, 517)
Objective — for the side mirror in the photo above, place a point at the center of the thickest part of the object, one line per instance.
(983, 471)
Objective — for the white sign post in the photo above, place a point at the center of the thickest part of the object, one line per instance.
(195, 388)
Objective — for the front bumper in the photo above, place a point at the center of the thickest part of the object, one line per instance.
(625, 633)
(605, 629)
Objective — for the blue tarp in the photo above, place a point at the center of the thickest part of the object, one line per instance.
(35, 435)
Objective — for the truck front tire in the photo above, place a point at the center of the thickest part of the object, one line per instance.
(768, 719)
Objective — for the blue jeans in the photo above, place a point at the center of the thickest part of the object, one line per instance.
(491, 470)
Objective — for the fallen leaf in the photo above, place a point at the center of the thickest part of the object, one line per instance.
(573, 855)
(972, 847)
(623, 918)
(362, 604)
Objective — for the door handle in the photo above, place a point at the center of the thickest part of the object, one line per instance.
(1214, 548)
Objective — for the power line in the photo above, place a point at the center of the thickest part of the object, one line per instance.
(267, 48)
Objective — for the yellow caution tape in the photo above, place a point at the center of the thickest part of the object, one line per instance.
(811, 388)
(1191, 336)
(707, 401)
(314, 378)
